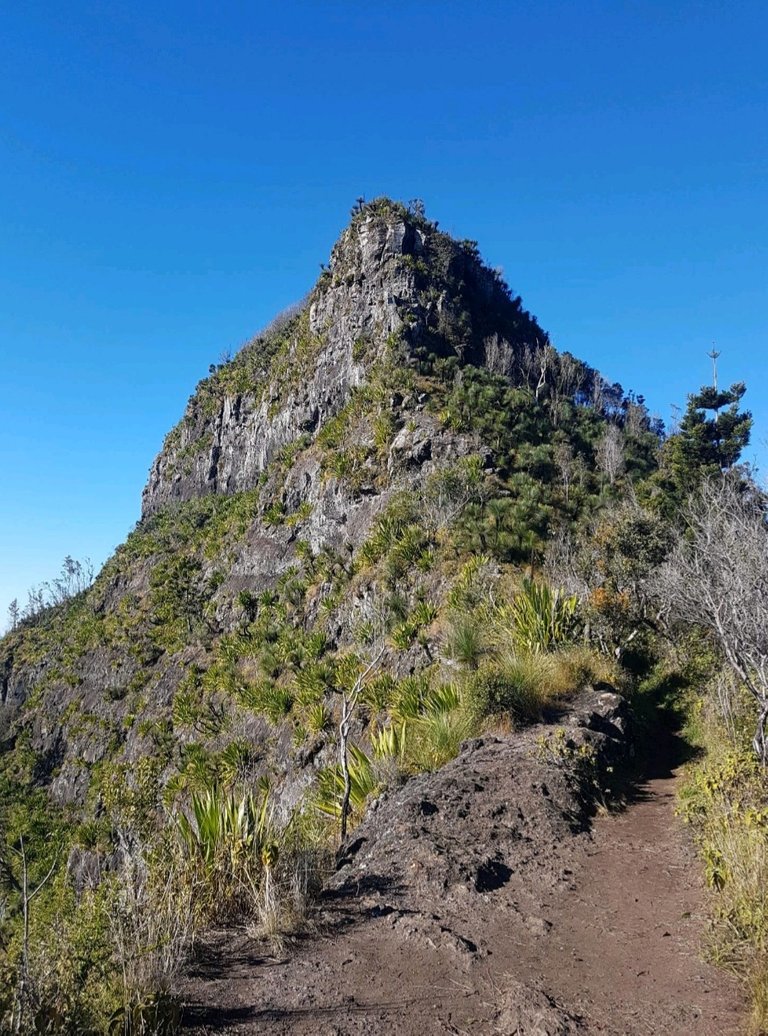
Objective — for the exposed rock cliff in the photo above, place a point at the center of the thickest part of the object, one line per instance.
(391, 276)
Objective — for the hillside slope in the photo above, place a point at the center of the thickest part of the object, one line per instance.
(409, 390)
(336, 584)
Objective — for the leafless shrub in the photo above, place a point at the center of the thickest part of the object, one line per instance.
(717, 578)
(499, 355)
(152, 924)
(279, 323)
(75, 577)
(610, 453)
(448, 492)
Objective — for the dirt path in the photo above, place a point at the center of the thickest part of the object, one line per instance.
(625, 949)
(602, 933)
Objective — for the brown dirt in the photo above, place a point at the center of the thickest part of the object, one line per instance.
(480, 900)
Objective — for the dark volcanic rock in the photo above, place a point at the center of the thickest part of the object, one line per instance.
(495, 821)
(387, 277)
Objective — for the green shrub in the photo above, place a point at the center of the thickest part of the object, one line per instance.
(467, 642)
(434, 739)
(725, 800)
(330, 786)
(473, 585)
(516, 687)
(266, 697)
(539, 617)
(318, 718)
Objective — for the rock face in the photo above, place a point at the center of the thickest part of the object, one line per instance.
(494, 815)
(387, 279)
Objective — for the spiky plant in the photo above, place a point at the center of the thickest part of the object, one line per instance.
(330, 785)
(435, 738)
(318, 718)
(540, 617)
(224, 835)
(466, 642)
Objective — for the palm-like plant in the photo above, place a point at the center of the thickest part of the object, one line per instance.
(540, 617)
(330, 785)
(225, 838)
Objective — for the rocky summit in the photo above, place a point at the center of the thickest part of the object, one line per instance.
(392, 284)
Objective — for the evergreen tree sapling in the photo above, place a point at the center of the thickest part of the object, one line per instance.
(712, 435)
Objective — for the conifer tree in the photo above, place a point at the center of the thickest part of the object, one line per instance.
(712, 435)
(713, 444)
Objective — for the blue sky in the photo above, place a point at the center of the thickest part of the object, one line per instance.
(172, 174)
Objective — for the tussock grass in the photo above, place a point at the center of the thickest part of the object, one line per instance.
(725, 799)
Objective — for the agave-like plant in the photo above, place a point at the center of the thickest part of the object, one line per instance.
(540, 617)
(389, 742)
(226, 832)
(427, 725)
(409, 697)
(435, 738)
(330, 785)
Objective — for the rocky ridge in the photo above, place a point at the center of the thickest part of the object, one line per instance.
(396, 278)
(324, 433)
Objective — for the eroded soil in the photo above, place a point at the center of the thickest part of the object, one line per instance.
(482, 900)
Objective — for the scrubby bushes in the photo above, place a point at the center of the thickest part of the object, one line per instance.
(103, 956)
(725, 799)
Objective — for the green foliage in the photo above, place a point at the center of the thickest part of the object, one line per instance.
(428, 723)
(514, 687)
(318, 718)
(177, 598)
(725, 800)
(330, 785)
(435, 738)
(396, 524)
(158, 1013)
(302, 514)
(422, 616)
(271, 699)
(706, 446)
(224, 830)
(378, 692)
(467, 642)
(313, 681)
(540, 617)
(474, 584)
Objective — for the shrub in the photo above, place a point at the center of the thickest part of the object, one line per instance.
(318, 718)
(473, 586)
(539, 617)
(330, 785)
(725, 800)
(152, 925)
(466, 642)
(516, 687)
(266, 697)
(434, 739)
(225, 837)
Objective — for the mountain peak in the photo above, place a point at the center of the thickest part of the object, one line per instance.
(393, 279)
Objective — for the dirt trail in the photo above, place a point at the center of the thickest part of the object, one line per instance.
(625, 949)
(597, 933)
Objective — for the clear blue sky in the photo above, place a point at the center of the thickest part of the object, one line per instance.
(172, 174)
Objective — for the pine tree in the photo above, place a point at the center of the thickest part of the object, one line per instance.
(712, 435)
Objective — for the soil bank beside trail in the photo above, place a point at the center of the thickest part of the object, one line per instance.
(479, 900)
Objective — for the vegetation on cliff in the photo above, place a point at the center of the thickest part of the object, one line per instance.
(397, 518)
